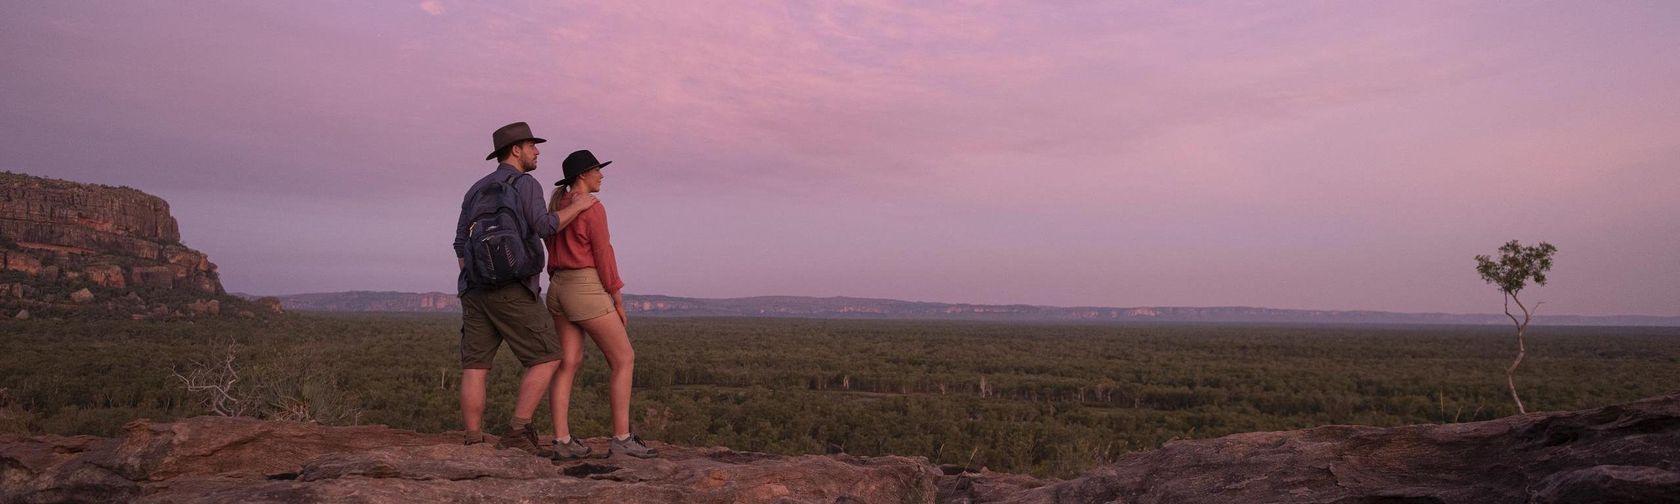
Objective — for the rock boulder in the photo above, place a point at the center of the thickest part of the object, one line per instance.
(1625, 453)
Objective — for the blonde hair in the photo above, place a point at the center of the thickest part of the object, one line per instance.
(554, 197)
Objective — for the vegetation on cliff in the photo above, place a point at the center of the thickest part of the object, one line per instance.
(88, 250)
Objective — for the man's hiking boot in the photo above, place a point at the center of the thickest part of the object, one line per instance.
(632, 447)
(470, 439)
(573, 450)
(524, 439)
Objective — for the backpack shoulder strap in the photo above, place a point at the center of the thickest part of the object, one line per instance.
(513, 192)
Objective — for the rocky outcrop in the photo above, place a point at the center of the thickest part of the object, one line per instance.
(1625, 453)
(215, 459)
(72, 248)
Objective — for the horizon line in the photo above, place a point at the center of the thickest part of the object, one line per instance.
(1537, 316)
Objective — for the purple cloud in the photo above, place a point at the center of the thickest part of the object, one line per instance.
(1324, 155)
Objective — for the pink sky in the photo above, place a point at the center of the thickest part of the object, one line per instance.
(1334, 155)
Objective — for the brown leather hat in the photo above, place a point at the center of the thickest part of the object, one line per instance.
(509, 135)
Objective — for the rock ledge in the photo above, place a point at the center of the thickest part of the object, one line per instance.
(1623, 453)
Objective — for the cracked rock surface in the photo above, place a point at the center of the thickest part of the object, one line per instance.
(1623, 453)
(1628, 453)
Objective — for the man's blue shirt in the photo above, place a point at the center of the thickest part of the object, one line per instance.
(543, 222)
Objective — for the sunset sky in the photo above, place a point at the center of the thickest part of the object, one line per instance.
(1326, 155)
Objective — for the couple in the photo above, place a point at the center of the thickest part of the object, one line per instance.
(500, 240)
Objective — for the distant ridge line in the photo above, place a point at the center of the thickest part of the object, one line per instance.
(892, 309)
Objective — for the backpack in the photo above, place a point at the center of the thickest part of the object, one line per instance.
(500, 246)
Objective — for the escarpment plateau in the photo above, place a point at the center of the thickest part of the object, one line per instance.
(73, 249)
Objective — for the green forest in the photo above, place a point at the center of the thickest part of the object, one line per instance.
(1044, 399)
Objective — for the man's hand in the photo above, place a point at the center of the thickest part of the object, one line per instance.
(461, 262)
(582, 201)
(579, 203)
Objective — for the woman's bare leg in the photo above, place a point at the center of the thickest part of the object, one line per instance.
(609, 334)
(560, 390)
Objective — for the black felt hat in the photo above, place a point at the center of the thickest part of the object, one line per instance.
(578, 162)
(509, 135)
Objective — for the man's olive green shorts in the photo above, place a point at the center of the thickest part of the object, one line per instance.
(511, 313)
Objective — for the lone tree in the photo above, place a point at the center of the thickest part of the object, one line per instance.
(1516, 266)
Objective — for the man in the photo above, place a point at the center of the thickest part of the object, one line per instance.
(514, 311)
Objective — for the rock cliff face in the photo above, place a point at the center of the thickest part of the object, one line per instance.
(374, 301)
(71, 248)
(1626, 453)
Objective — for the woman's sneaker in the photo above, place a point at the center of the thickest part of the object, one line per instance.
(573, 450)
(632, 447)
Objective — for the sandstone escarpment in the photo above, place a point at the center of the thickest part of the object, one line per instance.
(1625, 453)
(374, 301)
(70, 248)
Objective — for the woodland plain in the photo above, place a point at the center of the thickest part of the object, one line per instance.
(1044, 399)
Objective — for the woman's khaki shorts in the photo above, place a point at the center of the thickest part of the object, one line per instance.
(576, 294)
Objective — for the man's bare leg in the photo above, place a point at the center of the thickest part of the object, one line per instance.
(472, 402)
(532, 386)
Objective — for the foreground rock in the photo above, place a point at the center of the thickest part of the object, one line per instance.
(215, 459)
(1626, 453)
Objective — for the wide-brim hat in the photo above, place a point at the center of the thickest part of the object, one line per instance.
(578, 162)
(509, 135)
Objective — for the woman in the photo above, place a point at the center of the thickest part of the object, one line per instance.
(584, 295)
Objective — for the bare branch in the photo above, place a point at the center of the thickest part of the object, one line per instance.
(1527, 315)
(1510, 372)
(1507, 308)
(214, 383)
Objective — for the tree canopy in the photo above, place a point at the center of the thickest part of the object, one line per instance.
(1516, 266)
